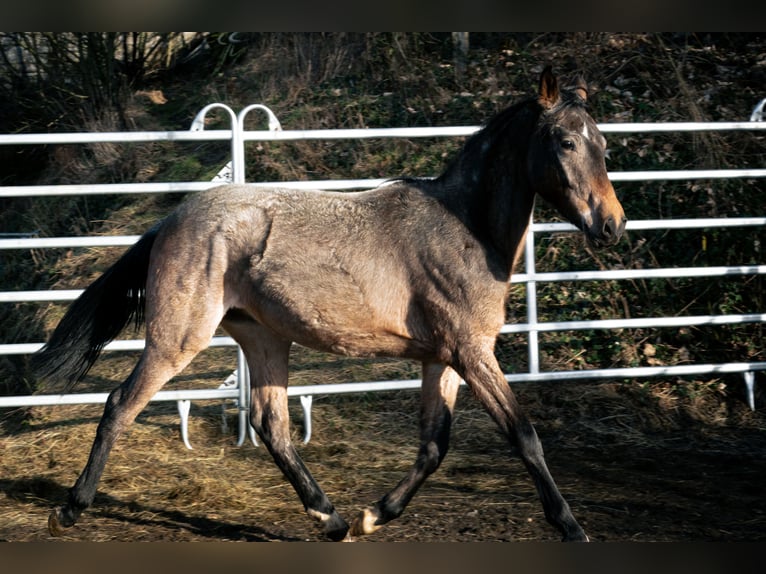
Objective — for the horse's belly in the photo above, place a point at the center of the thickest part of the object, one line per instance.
(333, 310)
(341, 331)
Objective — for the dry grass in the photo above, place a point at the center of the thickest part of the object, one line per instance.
(636, 463)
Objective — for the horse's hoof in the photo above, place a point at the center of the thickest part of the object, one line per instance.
(55, 528)
(576, 537)
(335, 528)
(338, 534)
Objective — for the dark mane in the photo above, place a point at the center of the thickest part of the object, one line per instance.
(484, 164)
(497, 126)
(511, 124)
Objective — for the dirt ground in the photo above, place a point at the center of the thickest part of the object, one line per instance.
(652, 461)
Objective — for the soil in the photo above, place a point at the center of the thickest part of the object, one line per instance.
(652, 461)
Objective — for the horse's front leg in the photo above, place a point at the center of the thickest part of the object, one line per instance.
(439, 390)
(485, 378)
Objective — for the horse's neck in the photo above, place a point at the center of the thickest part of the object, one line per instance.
(518, 231)
(509, 218)
(487, 188)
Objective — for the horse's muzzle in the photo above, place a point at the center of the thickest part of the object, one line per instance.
(607, 232)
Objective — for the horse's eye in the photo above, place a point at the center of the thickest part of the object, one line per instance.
(568, 144)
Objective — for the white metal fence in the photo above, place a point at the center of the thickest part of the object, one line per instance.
(237, 386)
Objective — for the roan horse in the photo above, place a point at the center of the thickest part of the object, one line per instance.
(417, 268)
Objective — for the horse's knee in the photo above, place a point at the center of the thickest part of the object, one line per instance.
(525, 439)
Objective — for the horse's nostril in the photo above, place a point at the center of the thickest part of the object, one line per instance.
(621, 226)
(609, 227)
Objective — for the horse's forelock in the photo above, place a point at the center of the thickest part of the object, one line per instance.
(571, 103)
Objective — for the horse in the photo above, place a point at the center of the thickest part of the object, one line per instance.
(414, 268)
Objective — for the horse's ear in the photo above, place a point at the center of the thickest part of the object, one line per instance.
(548, 95)
(581, 87)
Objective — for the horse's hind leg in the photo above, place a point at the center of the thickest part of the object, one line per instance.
(174, 335)
(122, 407)
(267, 357)
(439, 391)
(482, 373)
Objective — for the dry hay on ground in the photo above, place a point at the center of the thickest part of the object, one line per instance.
(636, 462)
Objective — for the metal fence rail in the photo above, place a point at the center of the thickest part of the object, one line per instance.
(237, 387)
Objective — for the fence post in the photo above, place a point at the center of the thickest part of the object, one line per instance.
(529, 264)
(236, 173)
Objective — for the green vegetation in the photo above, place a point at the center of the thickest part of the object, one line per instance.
(140, 81)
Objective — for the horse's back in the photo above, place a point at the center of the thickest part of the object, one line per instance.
(324, 269)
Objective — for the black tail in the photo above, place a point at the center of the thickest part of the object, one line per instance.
(97, 316)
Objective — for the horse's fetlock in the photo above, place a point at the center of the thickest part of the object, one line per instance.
(367, 521)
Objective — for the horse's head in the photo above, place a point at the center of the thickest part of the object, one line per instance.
(566, 162)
